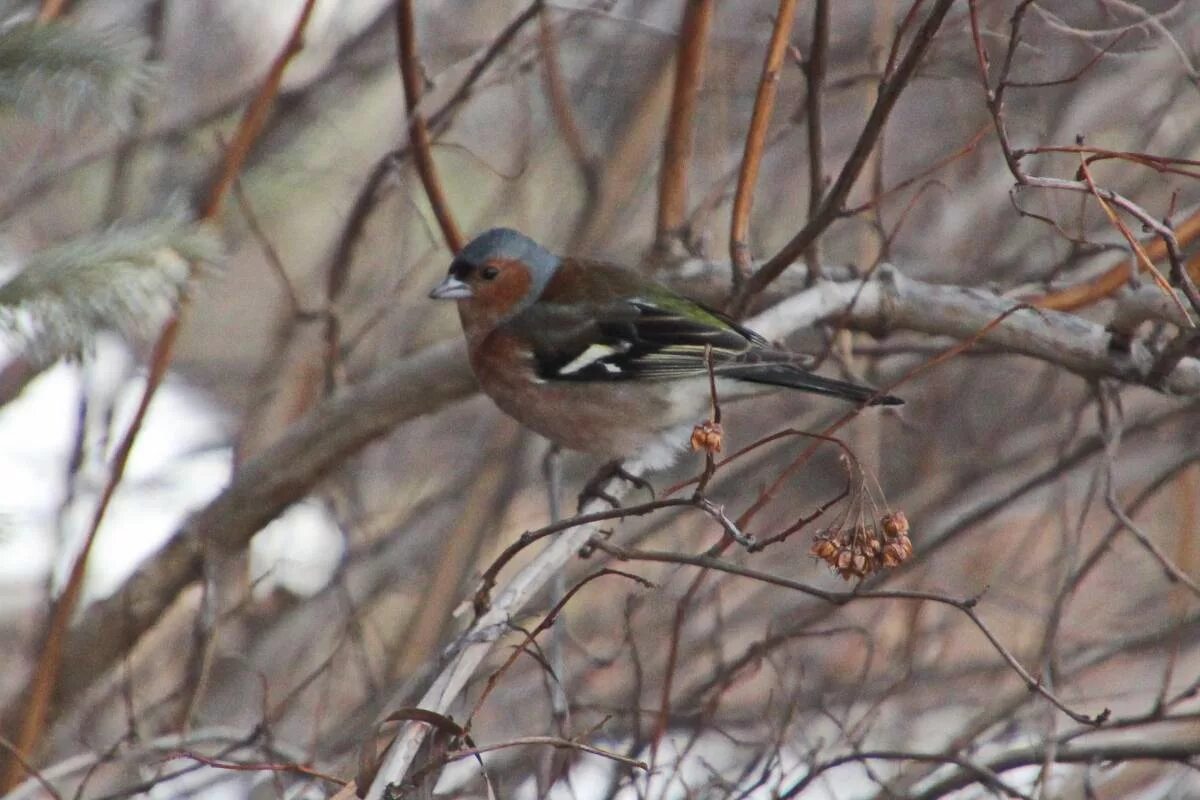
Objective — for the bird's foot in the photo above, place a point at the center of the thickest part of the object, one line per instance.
(594, 489)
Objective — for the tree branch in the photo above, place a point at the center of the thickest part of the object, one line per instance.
(677, 146)
(756, 136)
(418, 131)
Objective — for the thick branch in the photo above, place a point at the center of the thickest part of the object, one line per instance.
(894, 302)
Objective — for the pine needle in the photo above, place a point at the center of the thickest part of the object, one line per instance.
(60, 70)
(127, 279)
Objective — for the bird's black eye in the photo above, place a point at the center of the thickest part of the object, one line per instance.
(489, 273)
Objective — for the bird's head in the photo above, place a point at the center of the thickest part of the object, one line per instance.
(498, 274)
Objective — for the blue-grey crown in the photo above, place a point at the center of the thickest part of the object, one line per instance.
(505, 243)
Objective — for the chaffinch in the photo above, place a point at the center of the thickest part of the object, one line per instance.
(598, 358)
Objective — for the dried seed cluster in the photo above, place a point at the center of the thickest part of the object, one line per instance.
(860, 550)
(706, 436)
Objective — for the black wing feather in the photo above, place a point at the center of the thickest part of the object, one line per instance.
(634, 340)
(641, 340)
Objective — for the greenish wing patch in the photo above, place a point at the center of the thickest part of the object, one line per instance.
(644, 338)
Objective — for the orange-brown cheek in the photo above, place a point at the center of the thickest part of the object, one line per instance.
(508, 288)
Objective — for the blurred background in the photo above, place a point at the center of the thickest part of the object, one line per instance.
(1065, 502)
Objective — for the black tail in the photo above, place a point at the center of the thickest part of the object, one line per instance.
(795, 377)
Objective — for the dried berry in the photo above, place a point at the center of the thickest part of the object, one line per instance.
(707, 437)
(864, 549)
(894, 524)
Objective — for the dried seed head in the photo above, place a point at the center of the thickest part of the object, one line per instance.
(707, 437)
(823, 549)
(894, 524)
(861, 550)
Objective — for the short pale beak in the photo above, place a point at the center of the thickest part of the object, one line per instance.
(451, 289)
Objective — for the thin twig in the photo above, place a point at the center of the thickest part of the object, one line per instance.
(551, 741)
(980, 772)
(560, 101)
(677, 145)
(966, 606)
(1110, 426)
(418, 131)
(1109, 282)
(257, 766)
(814, 74)
(487, 581)
(269, 250)
(33, 772)
(756, 136)
(1144, 259)
(546, 622)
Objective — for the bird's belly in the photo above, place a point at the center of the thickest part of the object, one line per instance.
(615, 419)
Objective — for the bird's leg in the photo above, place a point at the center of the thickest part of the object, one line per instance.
(552, 470)
(594, 488)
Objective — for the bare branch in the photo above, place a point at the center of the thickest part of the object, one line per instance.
(756, 136)
(418, 131)
(677, 146)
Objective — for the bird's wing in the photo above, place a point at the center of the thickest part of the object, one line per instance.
(654, 335)
(658, 335)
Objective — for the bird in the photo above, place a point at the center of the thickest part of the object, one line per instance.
(599, 358)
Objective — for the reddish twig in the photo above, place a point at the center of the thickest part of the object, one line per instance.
(677, 146)
(440, 119)
(1143, 259)
(51, 10)
(1162, 164)
(1077, 74)
(756, 136)
(255, 118)
(418, 131)
(910, 18)
(560, 101)
(487, 581)
(769, 493)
